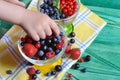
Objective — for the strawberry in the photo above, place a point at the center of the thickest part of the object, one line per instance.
(29, 49)
(68, 48)
(75, 53)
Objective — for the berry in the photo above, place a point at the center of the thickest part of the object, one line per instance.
(50, 54)
(29, 49)
(68, 48)
(72, 34)
(34, 76)
(40, 53)
(37, 71)
(48, 74)
(58, 46)
(62, 16)
(84, 70)
(22, 43)
(81, 60)
(76, 66)
(87, 58)
(58, 68)
(31, 71)
(72, 41)
(53, 72)
(37, 45)
(69, 75)
(9, 72)
(75, 53)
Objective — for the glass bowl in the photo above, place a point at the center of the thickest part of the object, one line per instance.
(46, 61)
(66, 21)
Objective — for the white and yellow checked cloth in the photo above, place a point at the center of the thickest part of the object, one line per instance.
(87, 26)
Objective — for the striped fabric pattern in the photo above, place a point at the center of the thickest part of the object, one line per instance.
(87, 27)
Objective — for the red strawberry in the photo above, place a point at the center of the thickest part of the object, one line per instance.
(75, 53)
(29, 49)
(68, 48)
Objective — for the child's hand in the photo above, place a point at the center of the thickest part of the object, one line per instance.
(17, 2)
(38, 25)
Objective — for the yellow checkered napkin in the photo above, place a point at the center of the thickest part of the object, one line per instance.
(87, 26)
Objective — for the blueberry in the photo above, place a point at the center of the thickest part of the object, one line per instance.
(87, 58)
(45, 47)
(47, 11)
(57, 51)
(42, 57)
(72, 34)
(64, 56)
(49, 2)
(53, 17)
(42, 10)
(44, 6)
(9, 72)
(72, 41)
(53, 72)
(48, 41)
(55, 9)
(45, 1)
(55, 39)
(51, 13)
(84, 70)
(48, 74)
(61, 34)
(59, 41)
(37, 72)
(62, 16)
(58, 68)
(50, 49)
(42, 41)
(40, 53)
(58, 37)
(22, 43)
(76, 66)
(70, 44)
(34, 76)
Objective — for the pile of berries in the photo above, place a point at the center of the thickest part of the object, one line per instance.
(32, 72)
(44, 48)
(67, 8)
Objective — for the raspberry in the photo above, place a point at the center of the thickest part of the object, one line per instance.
(31, 71)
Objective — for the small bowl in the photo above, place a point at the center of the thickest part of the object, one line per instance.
(47, 61)
(67, 21)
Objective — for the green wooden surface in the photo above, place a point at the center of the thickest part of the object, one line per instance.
(105, 50)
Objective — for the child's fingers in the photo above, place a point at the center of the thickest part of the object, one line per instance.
(48, 31)
(41, 34)
(55, 28)
(34, 35)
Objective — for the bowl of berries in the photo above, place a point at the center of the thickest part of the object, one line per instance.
(45, 51)
(63, 12)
